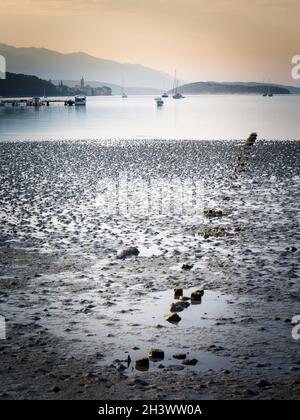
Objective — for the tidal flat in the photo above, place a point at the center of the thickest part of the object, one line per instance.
(95, 235)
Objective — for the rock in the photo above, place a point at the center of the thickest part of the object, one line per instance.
(173, 318)
(178, 292)
(251, 139)
(214, 231)
(190, 362)
(55, 389)
(179, 306)
(187, 266)
(156, 355)
(262, 383)
(213, 213)
(142, 364)
(197, 295)
(251, 392)
(179, 356)
(131, 251)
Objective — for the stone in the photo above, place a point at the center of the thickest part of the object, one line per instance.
(190, 362)
(187, 266)
(55, 389)
(179, 356)
(213, 213)
(214, 231)
(156, 355)
(179, 306)
(197, 294)
(251, 139)
(178, 292)
(262, 383)
(142, 364)
(173, 318)
(131, 251)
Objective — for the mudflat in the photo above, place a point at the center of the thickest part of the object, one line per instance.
(85, 286)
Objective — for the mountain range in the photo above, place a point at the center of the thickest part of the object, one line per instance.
(135, 78)
(48, 64)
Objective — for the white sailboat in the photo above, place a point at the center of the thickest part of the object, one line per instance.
(176, 94)
(123, 94)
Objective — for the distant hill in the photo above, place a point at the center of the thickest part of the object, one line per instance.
(23, 85)
(49, 64)
(292, 89)
(230, 88)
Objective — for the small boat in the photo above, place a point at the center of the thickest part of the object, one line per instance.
(124, 95)
(159, 101)
(80, 100)
(165, 95)
(176, 94)
(268, 92)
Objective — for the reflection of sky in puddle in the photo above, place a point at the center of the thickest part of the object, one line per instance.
(153, 308)
(145, 327)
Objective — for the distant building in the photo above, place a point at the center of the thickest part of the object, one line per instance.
(60, 87)
(83, 89)
(82, 83)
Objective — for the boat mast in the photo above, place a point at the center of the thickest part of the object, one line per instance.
(175, 84)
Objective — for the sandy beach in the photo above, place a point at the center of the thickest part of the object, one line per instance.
(75, 310)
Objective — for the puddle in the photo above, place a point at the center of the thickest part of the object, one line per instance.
(116, 327)
(142, 326)
(205, 361)
(151, 309)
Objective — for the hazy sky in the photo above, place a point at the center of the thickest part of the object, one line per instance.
(203, 39)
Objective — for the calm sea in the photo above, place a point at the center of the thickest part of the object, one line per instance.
(137, 117)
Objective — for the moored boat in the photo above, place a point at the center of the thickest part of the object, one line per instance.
(159, 101)
(80, 100)
(176, 94)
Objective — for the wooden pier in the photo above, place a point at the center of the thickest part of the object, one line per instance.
(36, 101)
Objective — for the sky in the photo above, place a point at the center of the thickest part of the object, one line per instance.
(222, 40)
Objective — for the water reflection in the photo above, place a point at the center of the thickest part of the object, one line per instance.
(198, 117)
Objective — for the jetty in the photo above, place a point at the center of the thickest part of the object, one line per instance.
(40, 101)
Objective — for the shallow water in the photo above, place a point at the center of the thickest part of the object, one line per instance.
(137, 117)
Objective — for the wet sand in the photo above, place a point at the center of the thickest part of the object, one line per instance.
(75, 311)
